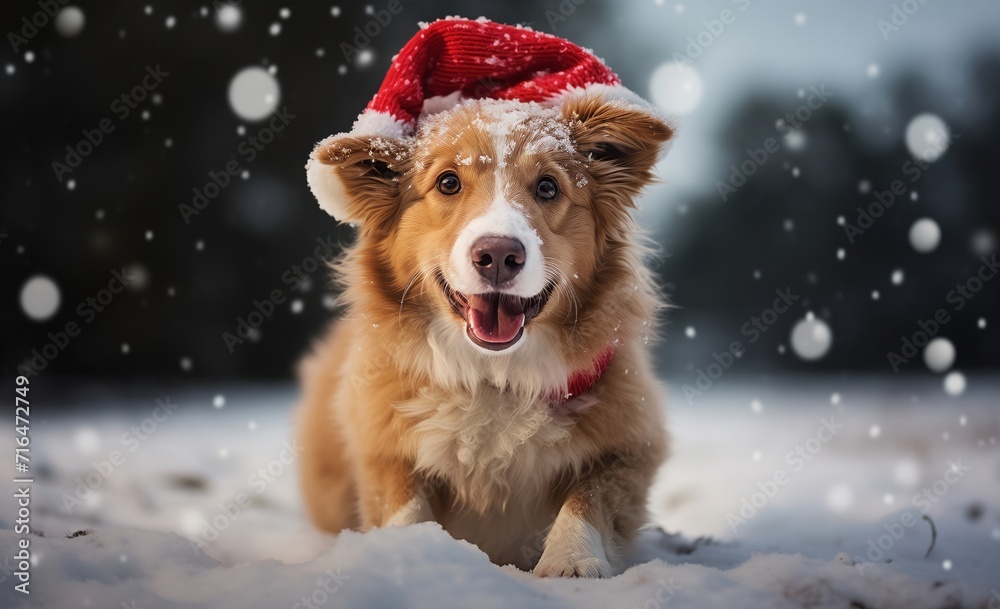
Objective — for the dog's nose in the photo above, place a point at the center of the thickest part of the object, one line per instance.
(498, 259)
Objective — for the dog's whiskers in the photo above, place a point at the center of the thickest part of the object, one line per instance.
(402, 299)
(420, 275)
(559, 279)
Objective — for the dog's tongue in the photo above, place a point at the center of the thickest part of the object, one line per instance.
(494, 319)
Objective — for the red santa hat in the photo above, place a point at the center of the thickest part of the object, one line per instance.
(455, 59)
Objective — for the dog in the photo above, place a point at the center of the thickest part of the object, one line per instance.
(491, 371)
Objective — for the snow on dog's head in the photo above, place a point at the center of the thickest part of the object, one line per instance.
(494, 217)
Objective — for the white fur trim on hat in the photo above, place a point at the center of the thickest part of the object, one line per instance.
(610, 93)
(380, 124)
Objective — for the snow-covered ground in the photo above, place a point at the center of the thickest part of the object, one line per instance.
(778, 494)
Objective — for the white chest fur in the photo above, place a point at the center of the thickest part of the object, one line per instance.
(491, 448)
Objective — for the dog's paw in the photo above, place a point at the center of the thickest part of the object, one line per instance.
(573, 548)
(573, 565)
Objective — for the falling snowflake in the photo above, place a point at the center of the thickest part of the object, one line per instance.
(954, 384)
(939, 354)
(925, 234)
(811, 338)
(839, 498)
(228, 17)
(87, 440)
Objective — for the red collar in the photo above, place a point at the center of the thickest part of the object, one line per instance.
(583, 380)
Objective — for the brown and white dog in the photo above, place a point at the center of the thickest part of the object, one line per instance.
(497, 265)
(491, 371)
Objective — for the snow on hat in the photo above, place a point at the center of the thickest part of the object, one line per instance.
(454, 59)
(460, 58)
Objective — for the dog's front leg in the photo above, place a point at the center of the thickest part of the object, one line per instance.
(392, 495)
(598, 519)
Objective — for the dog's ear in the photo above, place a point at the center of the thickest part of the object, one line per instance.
(621, 141)
(359, 179)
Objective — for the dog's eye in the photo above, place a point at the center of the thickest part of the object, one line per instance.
(547, 189)
(449, 184)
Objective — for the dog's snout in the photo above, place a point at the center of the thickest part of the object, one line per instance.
(498, 259)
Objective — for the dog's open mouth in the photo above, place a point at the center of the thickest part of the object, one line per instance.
(495, 321)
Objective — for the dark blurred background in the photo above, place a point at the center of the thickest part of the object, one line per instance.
(875, 79)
